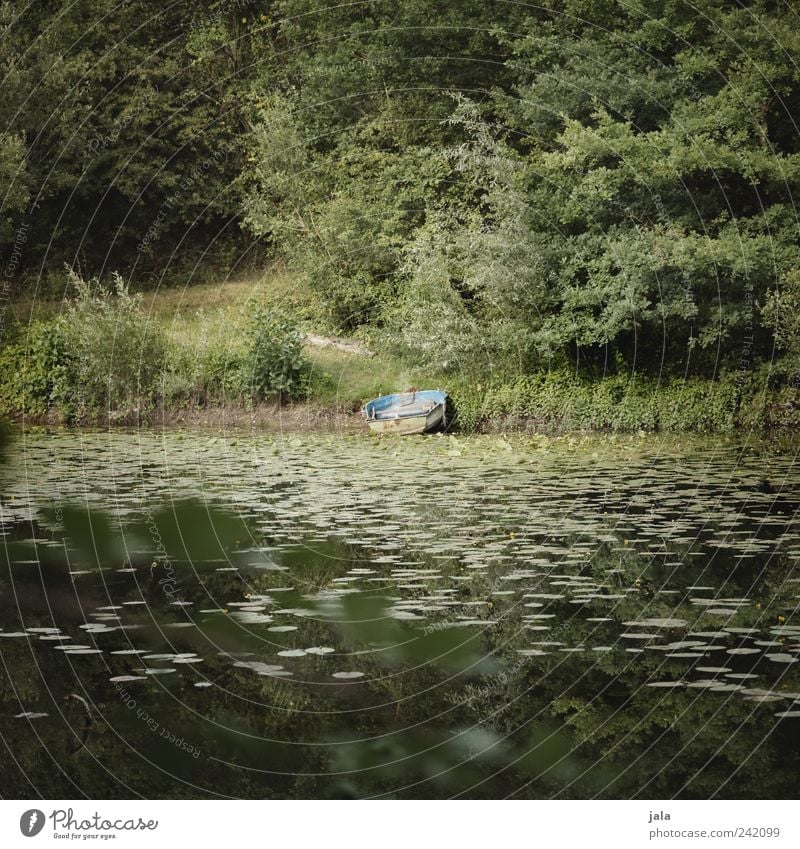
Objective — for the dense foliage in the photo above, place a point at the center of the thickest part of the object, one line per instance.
(273, 364)
(102, 356)
(498, 187)
(106, 359)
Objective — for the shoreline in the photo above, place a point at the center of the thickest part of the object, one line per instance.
(294, 417)
(300, 417)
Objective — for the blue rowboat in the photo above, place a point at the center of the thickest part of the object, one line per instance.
(406, 412)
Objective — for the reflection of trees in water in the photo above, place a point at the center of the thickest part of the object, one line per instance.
(440, 710)
(630, 739)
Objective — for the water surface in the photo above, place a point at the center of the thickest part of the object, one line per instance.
(184, 614)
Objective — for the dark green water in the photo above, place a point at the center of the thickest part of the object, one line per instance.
(335, 616)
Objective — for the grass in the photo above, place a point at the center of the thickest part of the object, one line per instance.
(214, 316)
(216, 313)
(178, 308)
(211, 319)
(275, 285)
(339, 378)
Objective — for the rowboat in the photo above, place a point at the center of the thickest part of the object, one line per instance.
(406, 412)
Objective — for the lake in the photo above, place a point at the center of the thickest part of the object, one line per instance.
(331, 615)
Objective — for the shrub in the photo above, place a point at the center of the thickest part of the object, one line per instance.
(28, 366)
(560, 401)
(274, 364)
(113, 353)
(197, 373)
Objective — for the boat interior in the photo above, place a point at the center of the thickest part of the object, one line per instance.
(403, 405)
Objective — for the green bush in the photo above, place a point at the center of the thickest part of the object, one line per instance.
(105, 358)
(274, 363)
(202, 374)
(28, 366)
(702, 406)
(560, 401)
(113, 354)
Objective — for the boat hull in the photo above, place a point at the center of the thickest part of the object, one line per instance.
(406, 425)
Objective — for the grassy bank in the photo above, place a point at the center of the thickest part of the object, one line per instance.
(257, 350)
